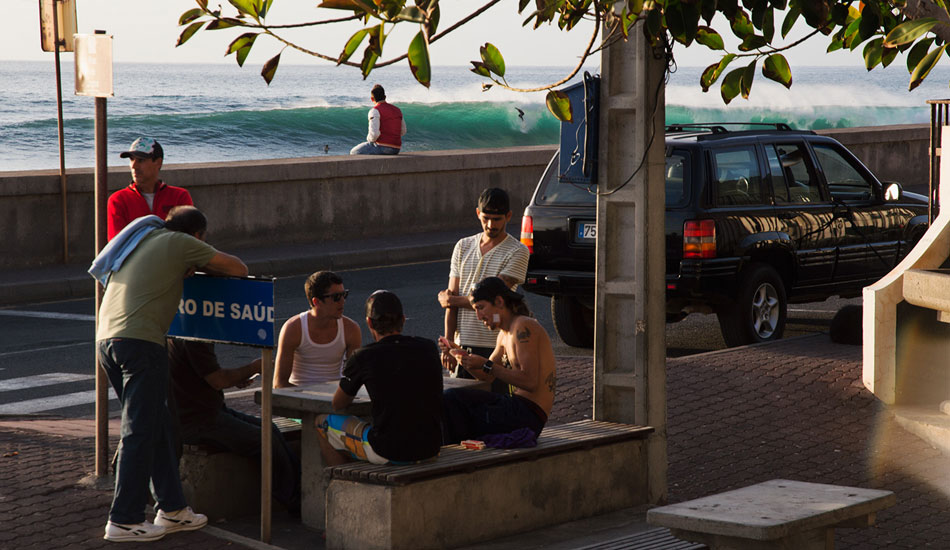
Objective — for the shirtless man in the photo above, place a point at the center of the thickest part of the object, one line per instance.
(523, 357)
(313, 345)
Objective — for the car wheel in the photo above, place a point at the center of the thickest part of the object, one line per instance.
(573, 321)
(758, 313)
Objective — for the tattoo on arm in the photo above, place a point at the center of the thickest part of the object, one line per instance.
(523, 335)
(551, 382)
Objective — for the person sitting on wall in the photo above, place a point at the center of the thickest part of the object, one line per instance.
(403, 376)
(386, 127)
(523, 357)
(312, 346)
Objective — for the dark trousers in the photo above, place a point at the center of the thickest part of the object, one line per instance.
(138, 371)
(240, 434)
(469, 413)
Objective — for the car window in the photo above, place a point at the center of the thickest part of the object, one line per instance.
(793, 180)
(845, 182)
(737, 178)
(554, 191)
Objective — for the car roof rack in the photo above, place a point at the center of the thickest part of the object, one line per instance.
(720, 127)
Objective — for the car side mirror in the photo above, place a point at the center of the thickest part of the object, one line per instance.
(893, 191)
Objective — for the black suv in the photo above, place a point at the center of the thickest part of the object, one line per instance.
(755, 219)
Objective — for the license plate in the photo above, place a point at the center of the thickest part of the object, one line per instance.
(586, 231)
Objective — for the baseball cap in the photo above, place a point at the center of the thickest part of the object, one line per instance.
(494, 201)
(383, 303)
(144, 147)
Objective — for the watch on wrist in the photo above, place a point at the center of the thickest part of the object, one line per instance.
(487, 366)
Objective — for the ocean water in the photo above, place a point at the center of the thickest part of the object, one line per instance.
(204, 113)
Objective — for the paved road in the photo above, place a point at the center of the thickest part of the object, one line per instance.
(46, 350)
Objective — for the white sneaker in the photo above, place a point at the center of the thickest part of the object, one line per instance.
(182, 520)
(135, 532)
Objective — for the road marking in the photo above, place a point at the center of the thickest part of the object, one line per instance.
(31, 406)
(48, 315)
(41, 380)
(35, 350)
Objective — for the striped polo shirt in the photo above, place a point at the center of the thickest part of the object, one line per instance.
(508, 258)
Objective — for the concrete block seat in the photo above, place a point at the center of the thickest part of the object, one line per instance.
(577, 470)
(221, 484)
(773, 515)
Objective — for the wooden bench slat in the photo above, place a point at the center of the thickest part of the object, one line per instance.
(454, 458)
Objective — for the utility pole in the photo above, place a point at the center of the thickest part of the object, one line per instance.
(630, 321)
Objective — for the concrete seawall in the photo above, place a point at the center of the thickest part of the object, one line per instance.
(335, 199)
(280, 202)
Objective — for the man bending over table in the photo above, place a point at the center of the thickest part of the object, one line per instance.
(403, 376)
(523, 357)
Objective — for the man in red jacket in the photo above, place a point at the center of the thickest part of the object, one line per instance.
(386, 127)
(147, 194)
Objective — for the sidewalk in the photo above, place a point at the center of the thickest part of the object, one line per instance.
(794, 409)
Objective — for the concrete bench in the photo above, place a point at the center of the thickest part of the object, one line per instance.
(221, 484)
(577, 470)
(776, 514)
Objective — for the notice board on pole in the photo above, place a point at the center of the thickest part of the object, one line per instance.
(228, 310)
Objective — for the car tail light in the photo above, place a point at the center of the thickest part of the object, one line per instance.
(699, 239)
(527, 233)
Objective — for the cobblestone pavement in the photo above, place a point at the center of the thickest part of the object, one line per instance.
(793, 409)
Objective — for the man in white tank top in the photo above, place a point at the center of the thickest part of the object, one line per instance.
(314, 344)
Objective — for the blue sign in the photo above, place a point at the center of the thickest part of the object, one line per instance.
(227, 310)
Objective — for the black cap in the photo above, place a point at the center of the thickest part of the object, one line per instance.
(494, 201)
(383, 303)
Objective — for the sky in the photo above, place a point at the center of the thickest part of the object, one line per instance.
(146, 31)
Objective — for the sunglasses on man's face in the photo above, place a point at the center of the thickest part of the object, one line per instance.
(336, 296)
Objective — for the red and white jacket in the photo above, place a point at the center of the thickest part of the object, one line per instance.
(386, 125)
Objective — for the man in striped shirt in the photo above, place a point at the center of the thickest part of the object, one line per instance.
(491, 253)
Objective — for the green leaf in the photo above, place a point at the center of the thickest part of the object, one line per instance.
(917, 53)
(752, 42)
(522, 4)
(870, 22)
(190, 16)
(712, 72)
(413, 14)
(926, 64)
(247, 7)
(748, 75)
(909, 31)
(419, 59)
(351, 45)
(682, 20)
(369, 61)
(839, 14)
(480, 69)
(835, 45)
(492, 59)
(654, 23)
(559, 105)
(776, 68)
(741, 25)
(242, 45)
(731, 85)
(433, 25)
(890, 54)
(376, 37)
(265, 7)
(873, 53)
(189, 31)
(790, 18)
(270, 68)
(203, 4)
(224, 23)
(768, 26)
(710, 38)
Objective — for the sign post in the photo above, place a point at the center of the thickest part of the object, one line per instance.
(236, 311)
(94, 78)
(57, 26)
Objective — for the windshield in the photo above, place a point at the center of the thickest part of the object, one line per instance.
(555, 192)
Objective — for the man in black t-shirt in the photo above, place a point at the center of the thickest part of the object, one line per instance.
(403, 376)
(197, 383)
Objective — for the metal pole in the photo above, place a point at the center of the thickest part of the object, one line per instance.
(57, 41)
(267, 378)
(101, 196)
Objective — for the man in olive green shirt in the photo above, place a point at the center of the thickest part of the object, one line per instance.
(139, 304)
